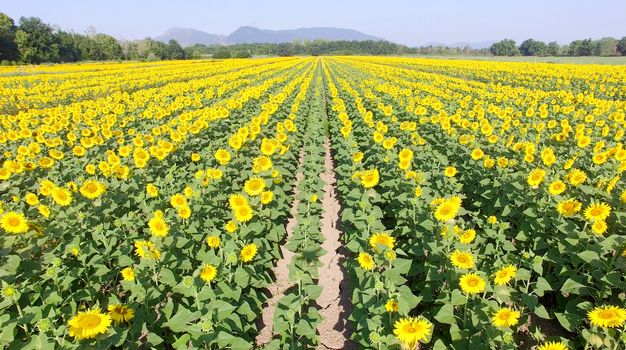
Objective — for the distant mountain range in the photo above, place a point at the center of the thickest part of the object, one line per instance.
(474, 46)
(249, 35)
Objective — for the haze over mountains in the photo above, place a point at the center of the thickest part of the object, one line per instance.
(249, 35)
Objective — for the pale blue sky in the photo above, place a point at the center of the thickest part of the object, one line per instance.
(403, 21)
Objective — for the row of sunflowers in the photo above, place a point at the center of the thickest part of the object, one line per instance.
(144, 204)
(164, 228)
(484, 202)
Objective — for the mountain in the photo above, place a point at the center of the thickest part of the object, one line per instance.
(256, 35)
(247, 35)
(474, 46)
(188, 37)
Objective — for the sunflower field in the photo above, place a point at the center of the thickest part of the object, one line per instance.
(145, 205)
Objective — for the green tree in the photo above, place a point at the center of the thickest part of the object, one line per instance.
(606, 47)
(553, 49)
(621, 46)
(531, 47)
(222, 53)
(35, 41)
(506, 47)
(581, 47)
(173, 51)
(8, 48)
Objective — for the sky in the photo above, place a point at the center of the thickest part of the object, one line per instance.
(403, 21)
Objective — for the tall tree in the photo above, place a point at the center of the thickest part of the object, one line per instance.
(174, 51)
(553, 49)
(8, 48)
(621, 46)
(531, 47)
(36, 41)
(606, 47)
(504, 47)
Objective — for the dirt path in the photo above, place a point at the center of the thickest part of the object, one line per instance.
(335, 298)
(278, 288)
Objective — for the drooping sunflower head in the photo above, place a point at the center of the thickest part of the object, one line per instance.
(120, 313)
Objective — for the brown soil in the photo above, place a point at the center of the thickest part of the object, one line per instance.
(334, 302)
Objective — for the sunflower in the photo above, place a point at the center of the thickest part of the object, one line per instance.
(157, 225)
(467, 236)
(184, 212)
(599, 227)
(477, 154)
(505, 317)
(128, 274)
(31, 199)
(381, 239)
(607, 316)
(243, 213)
(357, 157)
(391, 305)
(92, 189)
(370, 178)
(552, 346)
(366, 261)
(61, 196)
(222, 156)
(236, 200)
(492, 220)
(267, 197)
(462, 260)
(504, 275)
(261, 163)
(450, 171)
(44, 211)
(120, 313)
(535, 178)
(411, 330)
(213, 241)
(576, 177)
(597, 212)
(557, 187)
(178, 200)
(472, 283)
(248, 252)
(147, 249)
(568, 207)
(208, 272)
(254, 186)
(89, 324)
(448, 209)
(231, 226)
(14, 223)
(152, 190)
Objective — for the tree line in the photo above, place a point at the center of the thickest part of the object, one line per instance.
(33, 41)
(603, 47)
(30, 40)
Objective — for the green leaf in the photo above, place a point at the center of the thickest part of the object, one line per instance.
(446, 314)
